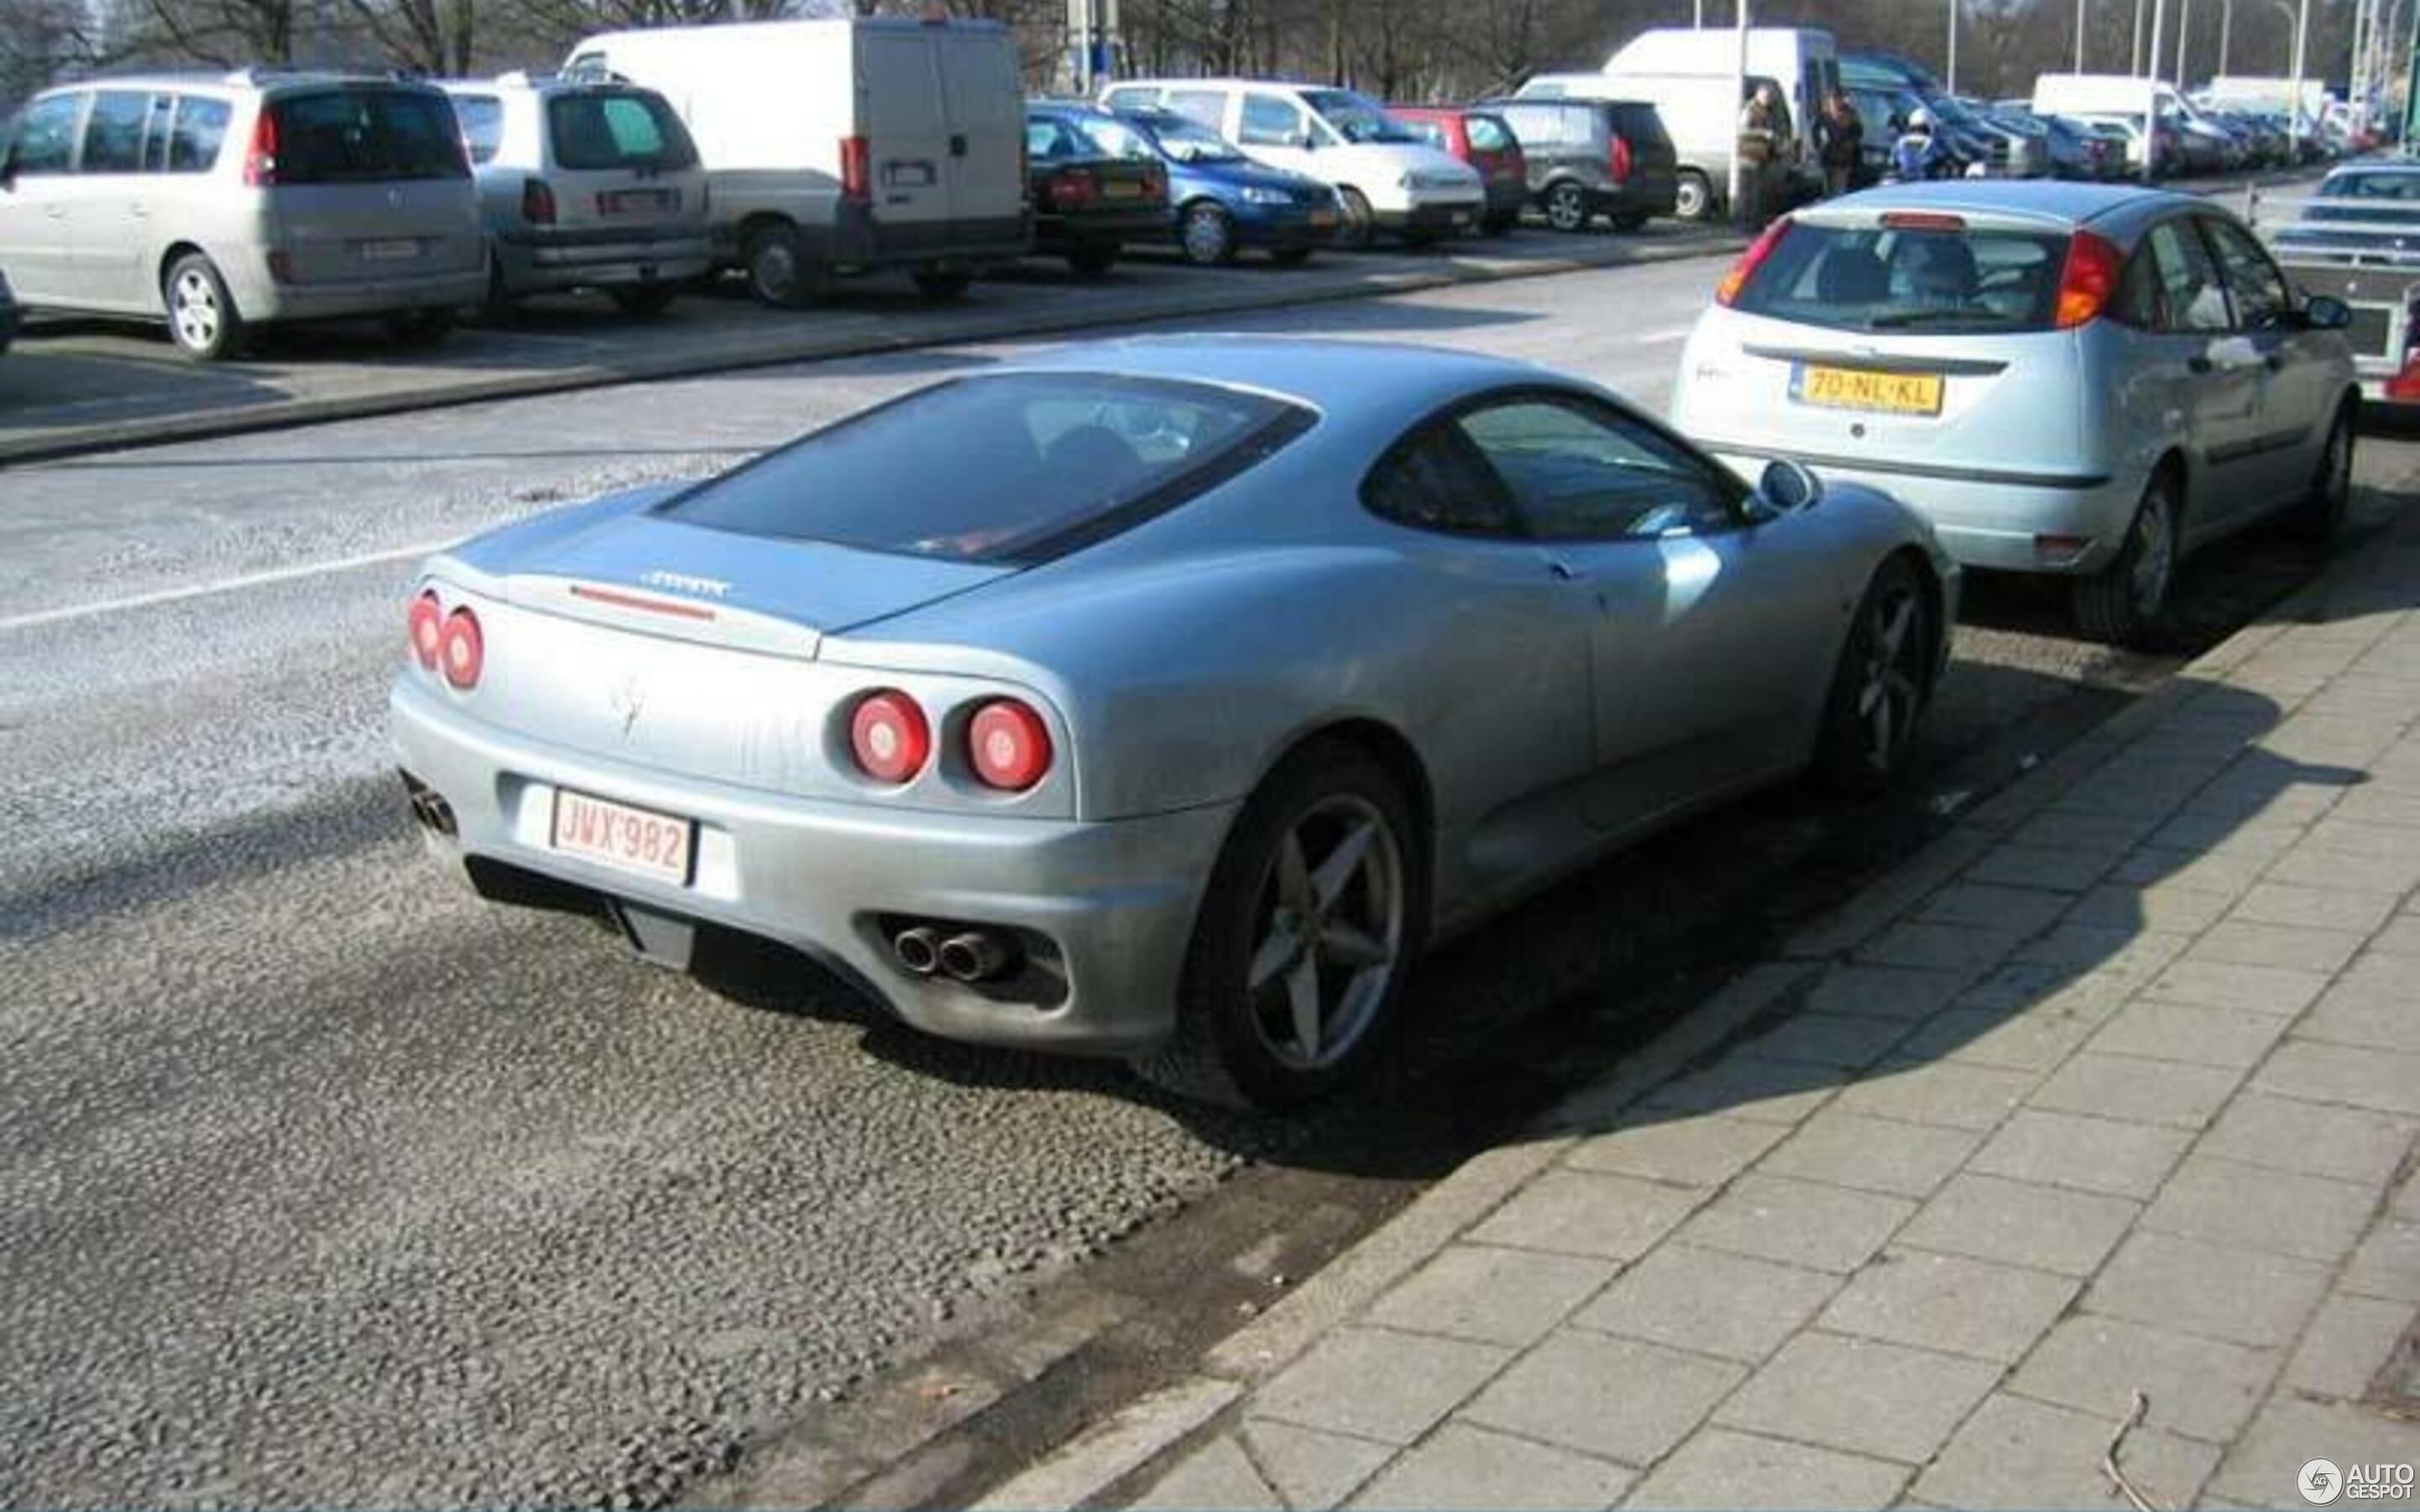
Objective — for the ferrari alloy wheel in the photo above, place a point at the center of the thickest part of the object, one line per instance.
(1305, 936)
(1880, 688)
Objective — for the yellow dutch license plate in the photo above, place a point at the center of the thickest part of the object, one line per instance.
(1849, 388)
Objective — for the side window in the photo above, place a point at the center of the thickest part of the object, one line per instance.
(2262, 298)
(1431, 132)
(482, 117)
(2192, 298)
(201, 129)
(112, 133)
(1579, 473)
(1132, 98)
(1207, 106)
(1270, 121)
(2137, 304)
(1486, 133)
(45, 141)
(155, 133)
(1046, 138)
(1437, 481)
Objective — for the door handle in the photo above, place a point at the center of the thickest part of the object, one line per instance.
(1566, 572)
(958, 144)
(138, 210)
(56, 212)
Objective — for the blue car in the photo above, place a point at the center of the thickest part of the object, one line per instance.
(1223, 202)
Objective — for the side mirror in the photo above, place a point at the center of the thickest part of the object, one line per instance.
(1305, 141)
(1789, 487)
(2324, 312)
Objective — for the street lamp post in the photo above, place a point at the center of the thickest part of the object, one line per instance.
(1954, 46)
(2079, 36)
(2300, 26)
(2226, 32)
(2135, 68)
(2184, 30)
(1739, 101)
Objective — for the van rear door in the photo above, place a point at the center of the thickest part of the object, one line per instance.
(368, 183)
(906, 135)
(985, 99)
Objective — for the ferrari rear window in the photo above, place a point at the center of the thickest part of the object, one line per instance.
(1971, 280)
(1011, 470)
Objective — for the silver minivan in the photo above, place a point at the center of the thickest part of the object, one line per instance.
(221, 203)
(584, 184)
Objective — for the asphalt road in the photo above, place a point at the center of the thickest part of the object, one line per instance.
(327, 1185)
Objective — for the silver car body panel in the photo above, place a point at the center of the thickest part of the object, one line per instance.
(1543, 701)
(2044, 433)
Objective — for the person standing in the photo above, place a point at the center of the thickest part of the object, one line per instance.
(1839, 142)
(1762, 138)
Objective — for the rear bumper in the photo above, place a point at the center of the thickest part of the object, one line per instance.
(1114, 899)
(1654, 197)
(1986, 520)
(1057, 233)
(608, 259)
(270, 300)
(1284, 225)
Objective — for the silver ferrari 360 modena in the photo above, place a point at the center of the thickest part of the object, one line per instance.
(1159, 698)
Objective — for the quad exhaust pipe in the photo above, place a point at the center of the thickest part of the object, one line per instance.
(970, 956)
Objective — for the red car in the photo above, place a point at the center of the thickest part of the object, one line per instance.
(1482, 139)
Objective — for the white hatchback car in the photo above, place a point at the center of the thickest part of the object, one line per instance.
(2066, 378)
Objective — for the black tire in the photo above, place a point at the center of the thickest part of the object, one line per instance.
(1567, 207)
(203, 320)
(2128, 602)
(1694, 200)
(939, 283)
(1882, 684)
(2321, 512)
(1206, 234)
(1500, 221)
(498, 306)
(420, 327)
(1094, 259)
(1359, 226)
(1221, 1051)
(645, 300)
(781, 273)
(1291, 256)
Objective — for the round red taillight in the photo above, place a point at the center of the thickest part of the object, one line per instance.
(1008, 744)
(889, 736)
(461, 650)
(428, 627)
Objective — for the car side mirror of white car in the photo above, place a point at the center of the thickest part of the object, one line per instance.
(1788, 487)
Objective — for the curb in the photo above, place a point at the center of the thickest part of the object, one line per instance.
(1083, 1470)
(808, 347)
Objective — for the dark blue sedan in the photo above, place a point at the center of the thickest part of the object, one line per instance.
(1223, 202)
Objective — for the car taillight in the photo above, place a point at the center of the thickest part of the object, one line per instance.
(856, 169)
(1620, 161)
(260, 159)
(1729, 289)
(427, 624)
(2088, 282)
(2404, 387)
(1074, 188)
(461, 649)
(887, 735)
(538, 202)
(1008, 746)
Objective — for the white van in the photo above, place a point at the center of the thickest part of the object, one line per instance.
(2121, 97)
(1385, 175)
(1680, 64)
(842, 145)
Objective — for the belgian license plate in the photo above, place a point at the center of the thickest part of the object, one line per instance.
(387, 252)
(1462, 217)
(625, 837)
(1851, 387)
(1120, 189)
(634, 201)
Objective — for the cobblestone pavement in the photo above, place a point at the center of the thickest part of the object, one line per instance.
(2112, 1090)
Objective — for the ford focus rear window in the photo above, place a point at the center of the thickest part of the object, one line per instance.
(595, 132)
(1887, 279)
(1011, 470)
(349, 136)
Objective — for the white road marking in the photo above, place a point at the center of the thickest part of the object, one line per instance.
(225, 585)
(1657, 338)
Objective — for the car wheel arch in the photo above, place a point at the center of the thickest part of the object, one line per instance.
(1936, 596)
(169, 256)
(1385, 744)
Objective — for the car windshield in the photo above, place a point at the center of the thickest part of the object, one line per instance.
(1356, 118)
(1928, 281)
(2393, 186)
(596, 130)
(1189, 141)
(1010, 470)
(337, 136)
(1109, 137)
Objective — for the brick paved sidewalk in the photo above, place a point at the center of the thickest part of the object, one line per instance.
(2115, 1089)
